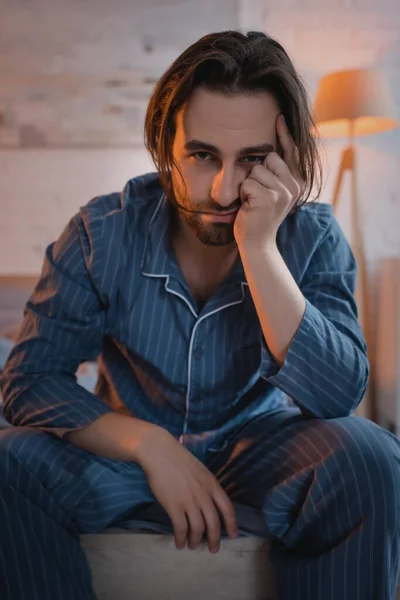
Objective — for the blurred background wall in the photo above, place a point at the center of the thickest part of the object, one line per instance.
(75, 78)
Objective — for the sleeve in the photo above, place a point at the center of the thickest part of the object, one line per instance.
(63, 326)
(326, 368)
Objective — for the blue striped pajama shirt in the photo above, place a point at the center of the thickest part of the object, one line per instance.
(111, 289)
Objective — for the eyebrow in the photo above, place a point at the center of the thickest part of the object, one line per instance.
(192, 145)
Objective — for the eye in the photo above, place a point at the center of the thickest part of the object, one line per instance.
(202, 156)
(253, 159)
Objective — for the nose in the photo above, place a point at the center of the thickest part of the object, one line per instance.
(225, 186)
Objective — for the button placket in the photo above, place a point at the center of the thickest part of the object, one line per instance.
(198, 353)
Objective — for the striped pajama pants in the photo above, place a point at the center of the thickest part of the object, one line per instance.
(328, 492)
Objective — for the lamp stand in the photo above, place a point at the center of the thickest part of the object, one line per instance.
(348, 163)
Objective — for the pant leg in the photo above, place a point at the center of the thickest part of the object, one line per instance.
(329, 491)
(50, 492)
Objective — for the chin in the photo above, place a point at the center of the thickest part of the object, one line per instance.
(216, 235)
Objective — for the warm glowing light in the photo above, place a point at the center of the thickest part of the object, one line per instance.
(354, 102)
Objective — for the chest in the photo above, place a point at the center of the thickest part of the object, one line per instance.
(202, 281)
(201, 287)
(203, 277)
(161, 337)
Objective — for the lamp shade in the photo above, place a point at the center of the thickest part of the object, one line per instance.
(357, 101)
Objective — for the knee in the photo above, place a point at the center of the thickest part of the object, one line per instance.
(369, 457)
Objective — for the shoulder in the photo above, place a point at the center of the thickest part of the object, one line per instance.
(123, 209)
(311, 224)
(312, 216)
(112, 227)
(312, 229)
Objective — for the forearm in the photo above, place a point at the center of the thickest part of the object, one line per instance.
(117, 437)
(59, 405)
(279, 302)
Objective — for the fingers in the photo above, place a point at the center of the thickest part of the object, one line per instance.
(265, 176)
(196, 526)
(278, 174)
(275, 175)
(203, 516)
(225, 507)
(191, 524)
(252, 192)
(180, 527)
(280, 169)
(286, 141)
(213, 524)
(289, 149)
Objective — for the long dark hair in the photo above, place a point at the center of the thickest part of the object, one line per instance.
(232, 62)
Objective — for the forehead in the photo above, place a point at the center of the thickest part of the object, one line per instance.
(229, 122)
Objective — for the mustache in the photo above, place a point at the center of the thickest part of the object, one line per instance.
(216, 209)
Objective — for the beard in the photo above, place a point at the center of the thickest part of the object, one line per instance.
(210, 234)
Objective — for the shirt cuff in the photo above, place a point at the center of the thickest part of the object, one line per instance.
(269, 369)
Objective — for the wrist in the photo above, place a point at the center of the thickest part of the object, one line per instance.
(253, 251)
(148, 440)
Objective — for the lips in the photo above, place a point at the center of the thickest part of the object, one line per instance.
(227, 218)
(221, 218)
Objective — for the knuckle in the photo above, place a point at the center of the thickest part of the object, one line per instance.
(180, 527)
(254, 185)
(229, 514)
(197, 531)
(181, 532)
(186, 501)
(289, 194)
(247, 184)
(275, 195)
(230, 511)
(202, 499)
(213, 522)
(257, 170)
(212, 515)
(272, 158)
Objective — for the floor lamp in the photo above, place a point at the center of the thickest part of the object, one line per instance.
(348, 104)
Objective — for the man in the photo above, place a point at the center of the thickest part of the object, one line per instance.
(210, 292)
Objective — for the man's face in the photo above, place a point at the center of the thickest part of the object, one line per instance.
(219, 139)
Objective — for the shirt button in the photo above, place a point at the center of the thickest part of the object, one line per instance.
(198, 353)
